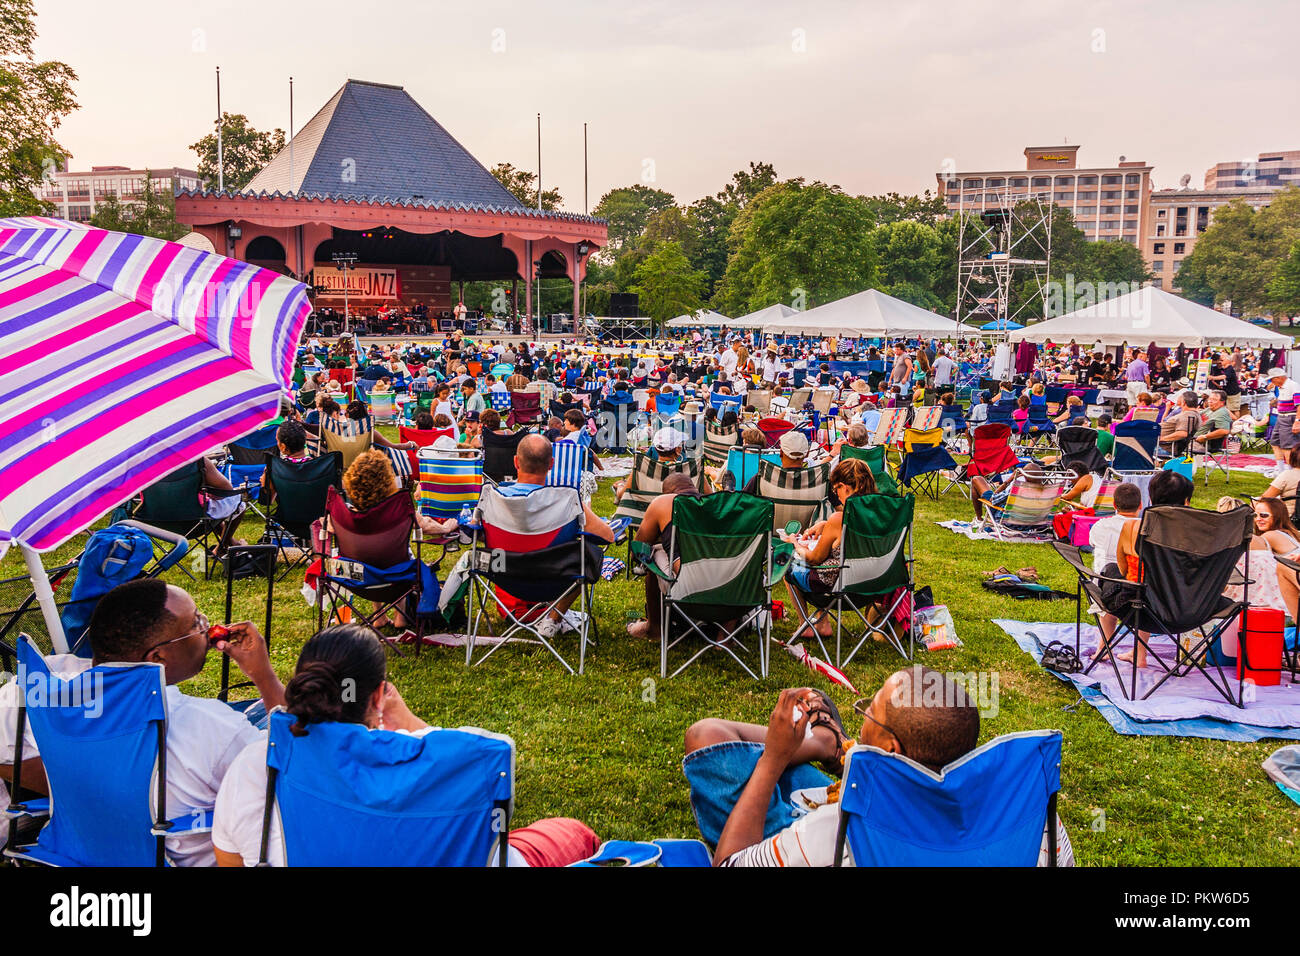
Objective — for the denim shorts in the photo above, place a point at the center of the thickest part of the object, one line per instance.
(717, 775)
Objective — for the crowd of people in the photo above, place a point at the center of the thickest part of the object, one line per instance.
(217, 753)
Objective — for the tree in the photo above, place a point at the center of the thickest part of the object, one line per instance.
(153, 214)
(667, 285)
(894, 207)
(523, 185)
(712, 216)
(34, 98)
(245, 151)
(798, 243)
(911, 259)
(628, 209)
(1284, 290)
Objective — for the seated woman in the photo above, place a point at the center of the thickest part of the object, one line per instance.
(857, 436)
(1085, 487)
(1072, 408)
(1021, 415)
(1274, 527)
(749, 438)
(816, 562)
(291, 440)
(1259, 566)
(341, 677)
(356, 422)
(1147, 408)
(1006, 392)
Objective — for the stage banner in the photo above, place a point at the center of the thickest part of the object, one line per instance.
(361, 283)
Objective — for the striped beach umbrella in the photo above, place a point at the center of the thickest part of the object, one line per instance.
(123, 358)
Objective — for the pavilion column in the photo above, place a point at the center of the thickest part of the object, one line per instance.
(528, 284)
(577, 287)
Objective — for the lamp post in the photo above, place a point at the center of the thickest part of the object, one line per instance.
(343, 260)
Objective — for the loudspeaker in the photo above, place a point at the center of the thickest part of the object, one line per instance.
(623, 305)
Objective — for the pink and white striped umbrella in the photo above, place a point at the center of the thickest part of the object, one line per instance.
(123, 358)
(819, 666)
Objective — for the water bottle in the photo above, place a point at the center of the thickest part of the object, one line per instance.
(466, 514)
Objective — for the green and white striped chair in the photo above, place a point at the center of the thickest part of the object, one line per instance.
(726, 563)
(875, 568)
(799, 494)
(718, 441)
(646, 482)
(874, 456)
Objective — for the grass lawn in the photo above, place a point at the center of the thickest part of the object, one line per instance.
(606, 747)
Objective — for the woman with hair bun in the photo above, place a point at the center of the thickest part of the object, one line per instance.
(341, 677)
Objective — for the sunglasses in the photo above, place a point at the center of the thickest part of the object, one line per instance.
(862, 707)
(200, 626)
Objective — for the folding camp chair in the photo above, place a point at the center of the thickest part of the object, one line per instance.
(345, 795)
(667, 406)
(498, 400)
(644, 484)
(889, 431)
(718, 574)
(925, 417)
(1188, 557)
(800, 397)
(367, 555)
(637, 853)
(875, 568)
(924, 456)
(347, 437)
(383, 406)
(718, 441)
(1135, 447)
(1078, 443)
(822, 400)
(124, 551)
(1028, 507)
(499, 454)
(874, 456)
(423, 437)
(424, 402)
(525, 409)
(724, 402)
(990, 454)
(530, 555)
(1038, 425)
(246, 459)
(994, 806)
(173, 504)
(252, 559)
(798, 494)
(773, 429)
(450, 481)
(570, 460)
(1214, 457)
(107, 776)
(614, 422)
(952, 419)
(300, 491)
(1002, 413)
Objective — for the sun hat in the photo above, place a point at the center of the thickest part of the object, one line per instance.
(1276, 373)
(668, 439)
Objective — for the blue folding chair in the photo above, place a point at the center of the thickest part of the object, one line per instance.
(346, 795)
(724, 402)
(666, 406)
(108, 775)
(499, 400)
(988, 808)
(569, 459)
(1135, 446)
(1002, 413)
(742, 464)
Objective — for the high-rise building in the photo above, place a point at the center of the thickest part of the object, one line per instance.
(1179, 216)
(76, 194)
(1279, 168)
(1108, 202)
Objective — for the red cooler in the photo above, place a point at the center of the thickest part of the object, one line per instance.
(1261, 642)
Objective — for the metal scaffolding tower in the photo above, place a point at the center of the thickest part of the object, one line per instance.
(998, 247)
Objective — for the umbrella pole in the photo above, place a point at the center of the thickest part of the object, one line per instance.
(45, 598)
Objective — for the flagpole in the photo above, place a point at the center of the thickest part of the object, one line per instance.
(221, 166)
(291, 134)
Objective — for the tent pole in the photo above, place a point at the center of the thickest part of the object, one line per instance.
(45, 598)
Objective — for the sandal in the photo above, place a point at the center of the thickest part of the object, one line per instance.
(1028, 575)
(829, 716)
(996, 572)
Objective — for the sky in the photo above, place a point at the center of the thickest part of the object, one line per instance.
(678, 94)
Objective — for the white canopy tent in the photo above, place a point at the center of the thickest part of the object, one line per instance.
(757, 320)
(704, 318)
(867, 314)
(1151, 315)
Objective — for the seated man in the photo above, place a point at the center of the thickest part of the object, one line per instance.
(1216, 424)
(735, 769)
(533, 460)
(150, 620)
(995, 489)
(1180, 424)
(656, 530)
(794, 455)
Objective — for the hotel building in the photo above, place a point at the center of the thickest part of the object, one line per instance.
(75, 195)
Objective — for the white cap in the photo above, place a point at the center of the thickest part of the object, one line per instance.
(668, 439)
(1277, 373)
(794, 444)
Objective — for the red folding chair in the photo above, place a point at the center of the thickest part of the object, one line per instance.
(773, 429)
(525, 409)
(424, 437)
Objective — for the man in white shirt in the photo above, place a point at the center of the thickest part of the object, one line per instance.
(903, 717)
(149, 620)
(728, 360)
(943, 367)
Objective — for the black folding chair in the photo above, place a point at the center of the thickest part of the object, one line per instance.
(1188, 557)
(300, 490)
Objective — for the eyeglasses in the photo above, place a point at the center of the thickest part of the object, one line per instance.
(862, 707)
(200, 626)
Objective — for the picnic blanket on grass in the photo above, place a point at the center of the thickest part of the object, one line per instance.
(978, 531)
(1183, 707)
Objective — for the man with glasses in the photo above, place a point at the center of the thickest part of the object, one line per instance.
(154, 622)
(756, 796)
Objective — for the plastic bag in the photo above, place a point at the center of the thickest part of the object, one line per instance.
(935, 628)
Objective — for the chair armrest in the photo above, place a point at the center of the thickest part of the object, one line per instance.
(29, 809)
(192, 821)
(782, 558)
(641, 552)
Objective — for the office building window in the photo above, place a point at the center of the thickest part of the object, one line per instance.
(1158, 265)
(1087, 180)
(1180, 248)
(1041, 181)
(1158, 248)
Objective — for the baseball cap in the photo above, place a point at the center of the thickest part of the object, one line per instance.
(794, 444)
(470, 416)
(668, 439)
